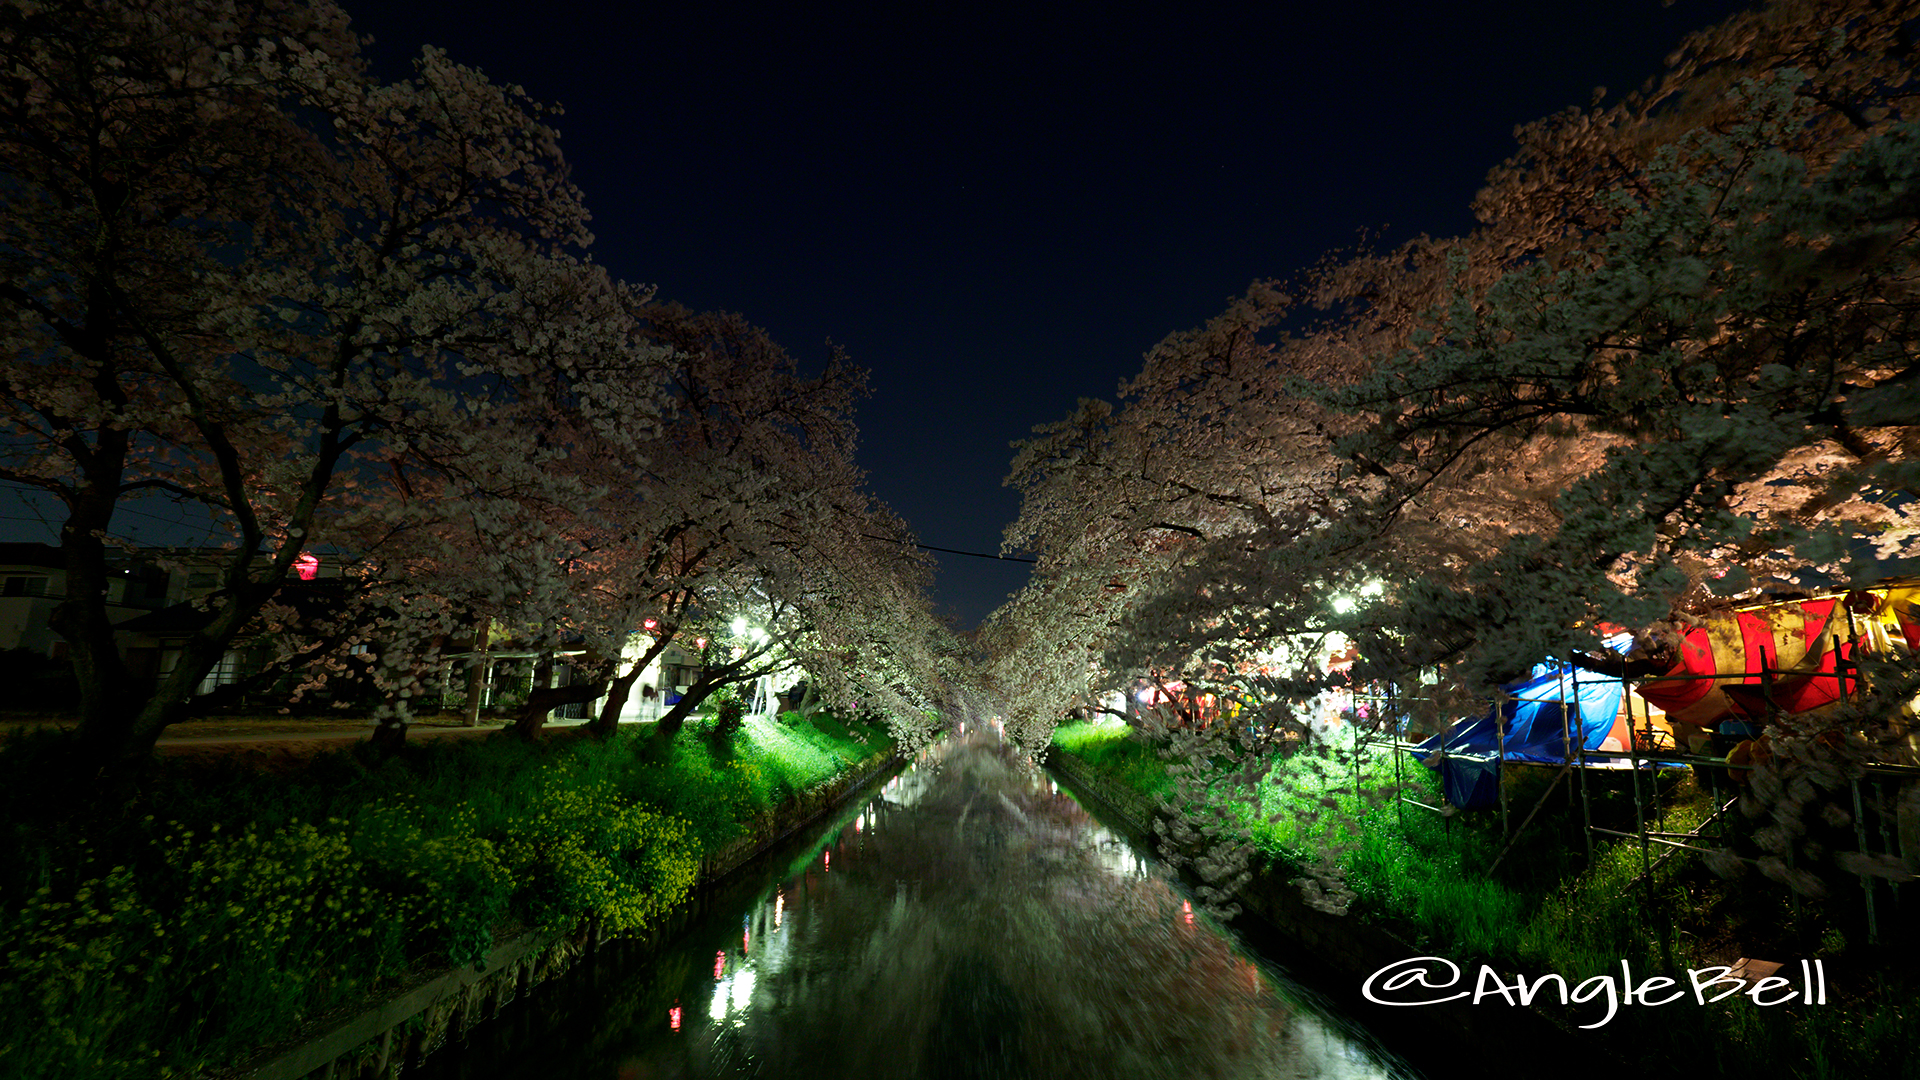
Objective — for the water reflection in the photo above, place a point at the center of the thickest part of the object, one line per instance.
(974, 922)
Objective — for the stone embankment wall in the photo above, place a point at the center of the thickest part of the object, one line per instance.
(1347, 949)
(380, 1042)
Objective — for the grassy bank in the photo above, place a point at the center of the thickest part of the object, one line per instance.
(208, 910)
(1548, 909)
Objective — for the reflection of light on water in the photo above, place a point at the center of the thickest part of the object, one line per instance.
(996, 906)
(732, 995)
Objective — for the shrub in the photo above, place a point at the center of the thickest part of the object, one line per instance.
(586, 851)
(729, 712)
(217, 908)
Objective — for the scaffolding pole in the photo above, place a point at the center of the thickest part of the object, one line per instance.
(1586, 808)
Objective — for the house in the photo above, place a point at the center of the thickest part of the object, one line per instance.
(33, 581)
(150, 600)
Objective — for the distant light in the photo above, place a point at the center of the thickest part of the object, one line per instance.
(307, 566)
(720, 964)
(651, 624)
(739, 627)
(673, 1017)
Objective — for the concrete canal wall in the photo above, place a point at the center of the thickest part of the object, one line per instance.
(380, 1042)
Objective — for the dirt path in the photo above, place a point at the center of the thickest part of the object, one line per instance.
(276, 739)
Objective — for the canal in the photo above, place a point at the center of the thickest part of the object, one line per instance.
(967, 918)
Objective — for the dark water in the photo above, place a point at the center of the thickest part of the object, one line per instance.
(967, 919)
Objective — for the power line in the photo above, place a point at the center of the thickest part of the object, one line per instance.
(951, 551)
(870, 536)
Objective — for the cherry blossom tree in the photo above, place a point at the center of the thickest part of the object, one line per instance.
(1528, 410)
(1208, 446)
(1678, 352)
(752, 451)
(742, 504)
(240, 272)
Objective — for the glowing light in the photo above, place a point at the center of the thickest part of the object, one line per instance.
(673, 1017)
(651, 624)
(739, 627)
(860, 823)
(699, 643)
(826, 859)
(307, 566)
(743, 988)
(1186, 908)
(720, 964)
(779, 907)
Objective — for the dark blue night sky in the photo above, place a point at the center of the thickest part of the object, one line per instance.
(998, 212)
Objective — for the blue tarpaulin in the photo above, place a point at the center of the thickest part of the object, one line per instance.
(1557, 704)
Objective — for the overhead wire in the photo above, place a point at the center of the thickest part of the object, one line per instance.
(950, 551)
(870, 536)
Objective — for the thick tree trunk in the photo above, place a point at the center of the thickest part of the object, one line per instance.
(533, 715)
(621, 688)
(390, 736)
(478, 672)
(669, 726)
(533, 718)
(107, 701)
(618, 690)
(172, 699)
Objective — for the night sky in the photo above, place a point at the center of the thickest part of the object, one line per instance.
(998, 212)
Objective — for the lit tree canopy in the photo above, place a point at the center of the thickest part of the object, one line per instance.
(238, 271)
(1678, 351)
